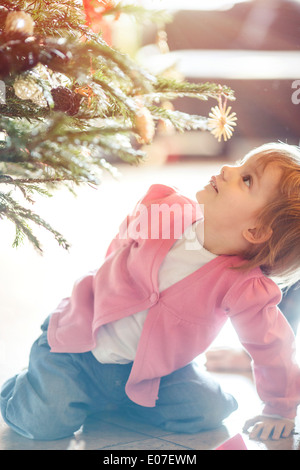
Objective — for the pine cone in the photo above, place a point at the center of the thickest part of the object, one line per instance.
(66, 100)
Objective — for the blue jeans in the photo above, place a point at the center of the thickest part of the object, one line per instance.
(53, 397)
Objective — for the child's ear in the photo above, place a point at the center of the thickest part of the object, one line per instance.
(255, 236)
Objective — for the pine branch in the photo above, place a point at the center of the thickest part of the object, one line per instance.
(96, 48)
(20, 216)
(52, 17)
(181, 121)
(173, 88)
(120, 147)
(30, 186)
(124, 103)
(16, 107)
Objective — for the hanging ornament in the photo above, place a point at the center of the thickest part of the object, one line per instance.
(21, 49)
(220, 122)
(66, 100)
(27, 88)
(18, 56)
(144, 124)
(165, 126)
(18, 24)
(162, 41)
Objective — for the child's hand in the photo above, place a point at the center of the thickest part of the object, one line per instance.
(265, 428)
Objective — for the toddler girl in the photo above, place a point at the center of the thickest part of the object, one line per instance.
(174, 274)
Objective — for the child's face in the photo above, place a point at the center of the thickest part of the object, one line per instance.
(233, 198)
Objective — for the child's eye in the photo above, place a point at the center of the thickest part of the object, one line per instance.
(247, 180)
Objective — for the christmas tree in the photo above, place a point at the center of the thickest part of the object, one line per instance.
(69, 102)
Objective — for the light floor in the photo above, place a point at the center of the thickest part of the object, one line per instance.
(31, 286)
(114, 432)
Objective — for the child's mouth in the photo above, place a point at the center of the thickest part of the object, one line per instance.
(213, 182)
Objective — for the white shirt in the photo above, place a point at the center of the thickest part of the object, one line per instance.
(117, 341)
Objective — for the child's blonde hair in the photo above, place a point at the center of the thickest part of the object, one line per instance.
(279, 256)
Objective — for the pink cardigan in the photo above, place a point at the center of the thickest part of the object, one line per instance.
(184, 319)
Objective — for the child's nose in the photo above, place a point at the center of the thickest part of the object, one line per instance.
(228, 173)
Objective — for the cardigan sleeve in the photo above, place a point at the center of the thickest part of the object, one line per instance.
(270, 341)
(156, 193)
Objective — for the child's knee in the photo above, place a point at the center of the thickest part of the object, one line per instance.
(212, 405)
(32, 418)
(39, 426)
(214, 415)
(201, 415)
